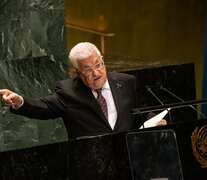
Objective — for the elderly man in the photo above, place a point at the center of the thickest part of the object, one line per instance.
(95, 102)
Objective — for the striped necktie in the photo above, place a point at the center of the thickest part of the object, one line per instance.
(102, 102)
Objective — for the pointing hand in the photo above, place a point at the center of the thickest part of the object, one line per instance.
(10, 98)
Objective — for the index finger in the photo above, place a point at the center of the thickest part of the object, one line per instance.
(4, 91)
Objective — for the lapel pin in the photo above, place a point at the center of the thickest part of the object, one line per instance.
(118, 85)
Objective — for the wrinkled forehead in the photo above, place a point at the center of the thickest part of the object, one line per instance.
(89, 61)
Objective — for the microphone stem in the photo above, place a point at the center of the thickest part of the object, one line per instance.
(170, 117)
(156, 97)
(203, 116)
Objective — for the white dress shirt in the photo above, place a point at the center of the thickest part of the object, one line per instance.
(112, 112)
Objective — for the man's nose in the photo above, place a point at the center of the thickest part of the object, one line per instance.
(95, 72)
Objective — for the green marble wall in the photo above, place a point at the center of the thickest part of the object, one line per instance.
(33, 57)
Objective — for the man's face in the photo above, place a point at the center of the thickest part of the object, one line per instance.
(92, 71)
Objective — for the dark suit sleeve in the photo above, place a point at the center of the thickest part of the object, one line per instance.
(50, 107)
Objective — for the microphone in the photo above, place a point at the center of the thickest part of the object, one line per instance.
(151, 92)
(172, 94)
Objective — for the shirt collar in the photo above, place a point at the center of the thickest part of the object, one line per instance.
(105, 86)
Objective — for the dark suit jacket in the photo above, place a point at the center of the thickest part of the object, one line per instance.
(75, 103)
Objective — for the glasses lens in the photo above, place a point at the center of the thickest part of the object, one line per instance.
(97, 66)
(88, 71)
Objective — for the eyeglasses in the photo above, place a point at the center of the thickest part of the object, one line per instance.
(89, 70)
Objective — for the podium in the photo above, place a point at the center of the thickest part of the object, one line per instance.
(154, 155)
(107, 157)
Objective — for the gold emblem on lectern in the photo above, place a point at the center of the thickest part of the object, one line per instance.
(199, 145)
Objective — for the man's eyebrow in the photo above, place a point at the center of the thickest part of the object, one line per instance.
(86, 67)
(96, 61)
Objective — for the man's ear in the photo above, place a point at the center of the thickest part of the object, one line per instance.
(102, 58)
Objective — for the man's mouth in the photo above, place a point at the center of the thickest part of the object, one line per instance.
(97, 78)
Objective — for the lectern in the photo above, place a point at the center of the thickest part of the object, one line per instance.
(154, 155)
(107, 157)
